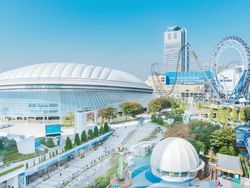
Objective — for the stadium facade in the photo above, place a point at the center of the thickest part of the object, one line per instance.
(54, 89)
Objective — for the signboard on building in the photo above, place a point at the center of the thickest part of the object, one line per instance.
(53, 130)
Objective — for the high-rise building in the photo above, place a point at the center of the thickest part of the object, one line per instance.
(174, 38)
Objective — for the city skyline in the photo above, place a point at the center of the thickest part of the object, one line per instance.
(111, 34)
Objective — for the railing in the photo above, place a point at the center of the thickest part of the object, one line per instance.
(11, 170)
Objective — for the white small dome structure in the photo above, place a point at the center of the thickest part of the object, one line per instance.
(175, 160)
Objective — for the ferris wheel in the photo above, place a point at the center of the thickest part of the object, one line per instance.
(240, 89)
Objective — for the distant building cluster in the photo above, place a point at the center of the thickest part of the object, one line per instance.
(177, 76)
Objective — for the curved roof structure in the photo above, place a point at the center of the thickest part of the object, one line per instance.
(69, 73)
(175, 155)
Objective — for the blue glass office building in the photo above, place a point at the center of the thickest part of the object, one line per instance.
(54, 89)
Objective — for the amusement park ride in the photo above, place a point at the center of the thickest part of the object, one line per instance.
(217, 90)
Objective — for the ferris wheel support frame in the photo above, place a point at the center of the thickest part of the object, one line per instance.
(235, 42)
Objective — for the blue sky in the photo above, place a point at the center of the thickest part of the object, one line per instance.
(121, 34)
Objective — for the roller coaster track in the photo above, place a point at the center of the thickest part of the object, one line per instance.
(158, 70)
(157, 73)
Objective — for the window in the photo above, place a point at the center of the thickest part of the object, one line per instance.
(169, 36)
(175, 35)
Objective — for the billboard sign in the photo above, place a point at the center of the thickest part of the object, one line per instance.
(53, 130)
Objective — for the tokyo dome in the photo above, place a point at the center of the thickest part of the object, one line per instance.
(54, 89)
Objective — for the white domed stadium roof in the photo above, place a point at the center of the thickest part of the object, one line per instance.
(175, 155)
(69, 73)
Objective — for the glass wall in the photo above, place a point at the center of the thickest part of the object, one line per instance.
(58, 102)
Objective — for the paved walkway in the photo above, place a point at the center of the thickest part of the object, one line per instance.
(79, 170)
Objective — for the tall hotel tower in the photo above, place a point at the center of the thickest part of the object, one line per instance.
(174, 38)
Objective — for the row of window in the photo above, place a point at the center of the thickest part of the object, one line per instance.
(175, 174)
(60, 102)
(175, 35)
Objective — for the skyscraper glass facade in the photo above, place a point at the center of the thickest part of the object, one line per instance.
(174, 38)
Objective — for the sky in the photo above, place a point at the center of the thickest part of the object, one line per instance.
(120, 34)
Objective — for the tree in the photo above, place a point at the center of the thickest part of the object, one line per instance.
(84, 137)
(131, 108)
(222, 137)
(101, 130)
(1, 144)
(247, 114)
(77, 139)
(50, 143)
(234, 114)
(211, 114)
(201, 130)
(198, 145)
(218, 116)
(107, 113)
(158, 104)
(227, 150)
(90, 133)
(68, 144)
(160, 120)
(69, 119)
(223, 116)
(179, 130)
(242, 114)
(153, 118)
(106, 127)
(102, 182)
(96, 132)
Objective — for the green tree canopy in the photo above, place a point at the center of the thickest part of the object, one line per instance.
(234, 114)
(247, 114)
(84, 136)
(1, 144)
(77, 139)
(242, 114)
(96, 131)
(153, 118)
(106, 127)
(201, 130)
(211, 114)
(222, 137)
(90, 134)
(228, 150)
(107, 113)
(50, 143)
(218, 116)
(68, 144)
(101, 130)
(223, 116)
(156, 105)
(160, 120)
(131, 108)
